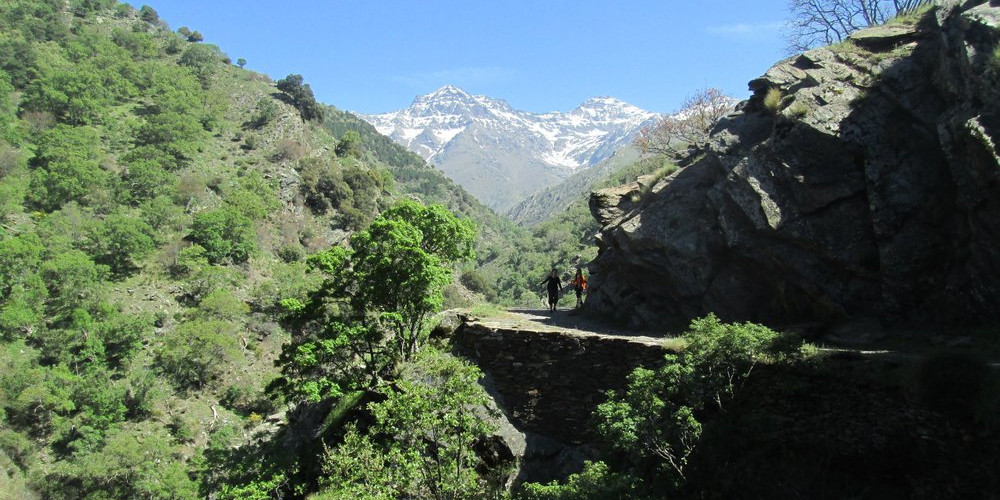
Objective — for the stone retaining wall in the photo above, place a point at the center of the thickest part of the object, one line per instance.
(550, 382)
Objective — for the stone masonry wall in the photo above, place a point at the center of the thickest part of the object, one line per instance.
(550, 382)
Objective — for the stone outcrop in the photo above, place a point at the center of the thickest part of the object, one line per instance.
(872, 190)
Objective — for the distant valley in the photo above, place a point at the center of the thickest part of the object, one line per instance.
(502, 155)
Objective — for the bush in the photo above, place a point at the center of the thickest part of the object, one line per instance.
(199, 351)
(225, 234)
(121, 242)
(596, 482)
(288, 149)
(475, 282)
(148, 14)
(265, 111)
(656, 420)
(223, 305)
(246, 399)
(349, 144)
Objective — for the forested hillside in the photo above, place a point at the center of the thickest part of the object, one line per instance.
(158, 203)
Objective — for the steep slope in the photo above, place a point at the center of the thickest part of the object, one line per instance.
(414, 177)
(501, 154)
(157, 203)
(869, 190)
(543, 204)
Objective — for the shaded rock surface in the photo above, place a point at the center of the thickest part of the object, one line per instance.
(871, 192)
(548, 381)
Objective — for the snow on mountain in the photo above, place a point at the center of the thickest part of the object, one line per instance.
(502, 155)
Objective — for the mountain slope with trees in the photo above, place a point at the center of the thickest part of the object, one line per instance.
(157, 205)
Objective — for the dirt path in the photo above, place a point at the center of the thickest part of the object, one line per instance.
(567, 322)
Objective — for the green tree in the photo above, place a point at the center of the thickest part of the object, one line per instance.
(204, 61)
(76, 96)
(596, 482)
(254, 197)
(121, 242)
(349, 144)
(198, 351)
(430, 422)
(301, 96)
(225, 234)
(8, 114)
(221, 304)
(135, 461)
(241, 62)
(66, 167)
(374, 302)
(148, 14)
(73, 280)
(144, 179)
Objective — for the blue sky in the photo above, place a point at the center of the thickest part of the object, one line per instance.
(374, 56)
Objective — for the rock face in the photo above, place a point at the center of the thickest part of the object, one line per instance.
(870, 191)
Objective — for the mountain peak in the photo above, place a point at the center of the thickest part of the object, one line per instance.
(448, 90)
(609, 107)
(501, 154)
(601, 101)
(447, 93)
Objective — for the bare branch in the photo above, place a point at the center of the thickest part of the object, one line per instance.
(824, 22)
(688, 126)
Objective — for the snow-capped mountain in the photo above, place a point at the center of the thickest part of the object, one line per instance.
(502, 155)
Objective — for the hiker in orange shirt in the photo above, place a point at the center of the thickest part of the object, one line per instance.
(580, 285)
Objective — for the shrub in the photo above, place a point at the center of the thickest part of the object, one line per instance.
(349, 144)
(199, 351)
(223, 305)
(225, 234)
(120, 242)
(474, 281)
(431, 433)
(596, 482)
(291, 253)
(655, 420)
(247, 399)
(288, 149)
(265, 111)
(148, 14)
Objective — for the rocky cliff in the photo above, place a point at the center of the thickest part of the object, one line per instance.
(868, 190)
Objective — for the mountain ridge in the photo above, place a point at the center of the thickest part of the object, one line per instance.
(501, 154)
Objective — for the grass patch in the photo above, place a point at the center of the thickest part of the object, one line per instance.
(912, 16)
(487, 310)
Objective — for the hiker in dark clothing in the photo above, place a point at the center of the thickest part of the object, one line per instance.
(554, 286)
